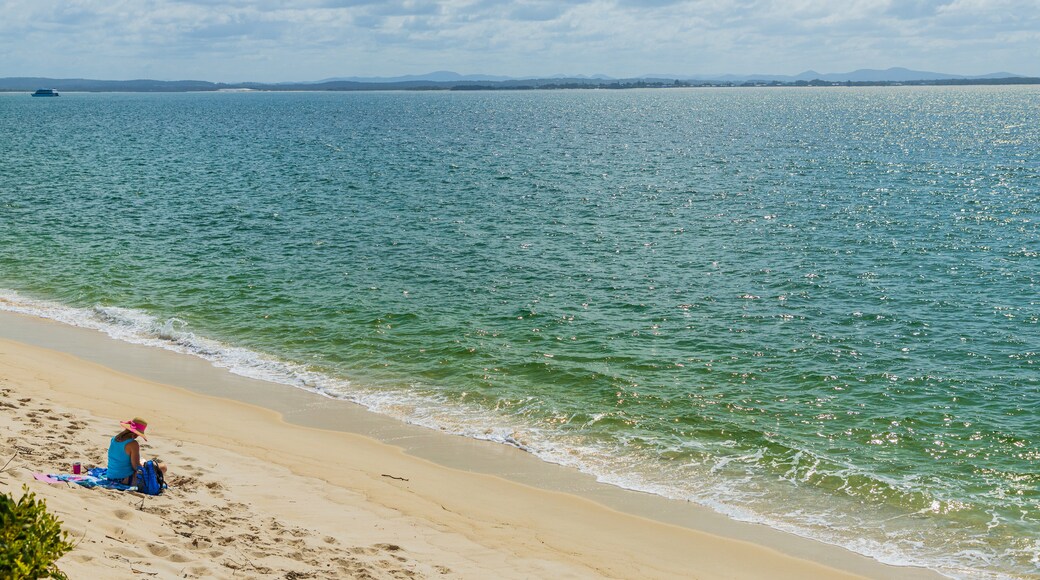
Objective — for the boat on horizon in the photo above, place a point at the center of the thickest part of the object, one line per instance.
(46, 93)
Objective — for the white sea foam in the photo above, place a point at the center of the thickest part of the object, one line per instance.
(138, 327)
(727, 495)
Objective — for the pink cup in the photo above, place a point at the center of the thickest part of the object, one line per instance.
(76, 468)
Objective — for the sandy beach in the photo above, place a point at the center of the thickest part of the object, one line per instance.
(270, 482)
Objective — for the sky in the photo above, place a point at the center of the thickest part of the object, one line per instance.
(302, 40)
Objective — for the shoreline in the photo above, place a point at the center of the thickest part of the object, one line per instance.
(455, 485)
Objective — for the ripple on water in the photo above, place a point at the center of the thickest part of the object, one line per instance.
(808, 308)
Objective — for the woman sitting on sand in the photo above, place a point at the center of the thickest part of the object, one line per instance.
(124, 452)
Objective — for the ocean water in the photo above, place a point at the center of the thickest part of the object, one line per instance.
(812, 308)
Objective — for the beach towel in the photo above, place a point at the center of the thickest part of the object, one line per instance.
(93, 478)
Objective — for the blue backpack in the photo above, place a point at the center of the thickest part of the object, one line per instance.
(150, 480)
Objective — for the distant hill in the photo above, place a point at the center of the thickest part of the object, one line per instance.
(447, 80)
(139, 85)
(895, 74)
(443, 76)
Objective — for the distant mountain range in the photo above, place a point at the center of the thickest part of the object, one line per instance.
(443, 76)
(895, 74)
(447, 80)
(449, 77)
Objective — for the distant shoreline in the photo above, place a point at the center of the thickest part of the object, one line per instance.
(29, 84)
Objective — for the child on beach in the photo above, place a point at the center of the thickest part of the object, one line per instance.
(124, 452)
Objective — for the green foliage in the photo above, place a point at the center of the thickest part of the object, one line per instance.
(31, 539)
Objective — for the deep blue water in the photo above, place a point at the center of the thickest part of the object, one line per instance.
(814, 308)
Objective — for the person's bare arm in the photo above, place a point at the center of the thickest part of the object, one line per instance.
(133, 449)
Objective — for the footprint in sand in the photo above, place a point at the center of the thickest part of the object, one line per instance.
(158, 550)
(124, 551)
(206, 542)
(298, 555)
(258, 553)
(359, 570)
(370, 551)
(123, 514)
(81, 558)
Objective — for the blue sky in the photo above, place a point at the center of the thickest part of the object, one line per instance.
(291, 40)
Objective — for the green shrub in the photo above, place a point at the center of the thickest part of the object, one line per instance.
(31, 539)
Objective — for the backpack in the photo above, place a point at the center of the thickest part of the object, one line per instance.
(150, 480)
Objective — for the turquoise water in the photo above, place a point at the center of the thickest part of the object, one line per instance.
(816, 309)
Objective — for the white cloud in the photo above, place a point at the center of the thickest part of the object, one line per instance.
(296, 40)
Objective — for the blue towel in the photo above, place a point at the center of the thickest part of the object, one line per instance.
(93, 478)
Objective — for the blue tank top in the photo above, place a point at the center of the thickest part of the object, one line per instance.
(118, 460)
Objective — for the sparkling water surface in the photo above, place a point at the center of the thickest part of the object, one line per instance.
(812, 308)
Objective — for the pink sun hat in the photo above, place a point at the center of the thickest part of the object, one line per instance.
(136, 426)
